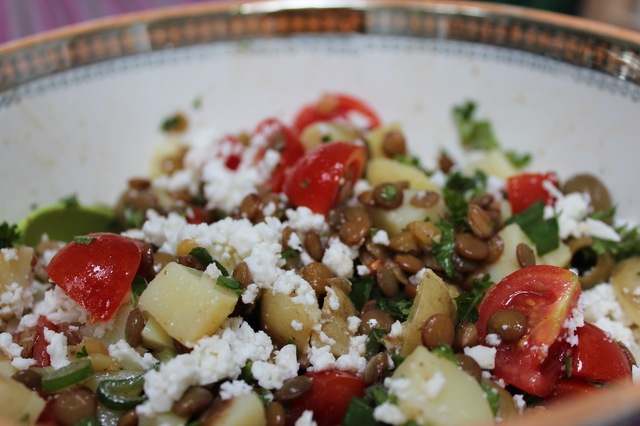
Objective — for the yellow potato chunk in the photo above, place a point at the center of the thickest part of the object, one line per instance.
(187, 303)
(439, 393)
(396, 220)
(381, 170)
(494, 163)
(19, 403)
(336, 310)
(245, 410)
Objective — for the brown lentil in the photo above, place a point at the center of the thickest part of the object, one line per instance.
(387, 280)
(509, 324)
(471, 247)
(496, 248)
(425, 199)
(479, 221)
(30, 378)
(394, 144)
(139, 183)
(130, 418)
(313, 245)
(194, 401)
(368, 305)
(408, 262)
(387, 196)
(483, 200)
(377, 250)
(376, 367)
(525, 255)
(191, 262)
(317, 274)
(469, 365)
(375, 318)
(250, 206)
(397, 271)
(437, 330)
(353, 231)
(424, 232)
(242, 274)
(160, 260)
(466, 335)
(275, 414)
(145, 269)
(404, 241)
(71, 331)
(410, 291)
(445, 163)
(464, 265)
(74, 404)
(286, 235)
(346, 189)
(293, 388)
(366, 199)
(340, 282)
(133, 327)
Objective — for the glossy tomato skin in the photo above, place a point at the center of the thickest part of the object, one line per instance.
(344, 104)
(570, 388)
(40, 354)
(598, 358)
(546, 295)
(525, 189)
(98, 274)
(328, 398)
(315, 180)
(282, 139)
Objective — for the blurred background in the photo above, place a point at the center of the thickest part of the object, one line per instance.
(19, 18)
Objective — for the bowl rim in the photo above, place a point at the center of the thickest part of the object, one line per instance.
(587, 44)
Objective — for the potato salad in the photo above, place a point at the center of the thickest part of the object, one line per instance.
(317, 272)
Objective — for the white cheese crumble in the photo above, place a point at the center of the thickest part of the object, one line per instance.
(130, 359)
(339, 257)
(575, 321)
(283, 366)
(483, 355)
(353, 323)
(332, 299)
(363, 270)
(15, 300)
(519, 402)
(58, 307)
(306, 419)
(234, 389)
(434, 385)
(56, 348)
(381, 237)
(389, 413)
(493, 339)
(303, 220)
(297, 325)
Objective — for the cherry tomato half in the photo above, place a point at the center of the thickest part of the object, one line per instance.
(97, 272)
(332, 106)
(317, 179)
(546, 295)
(280, 138)
(598, 358)
(328, 398)
(570, 388)
(40, 354)
(525, 189)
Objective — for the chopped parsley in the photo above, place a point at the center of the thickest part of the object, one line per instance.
(83, 239)
(361, 288)
(374, 342)
(82, 353)
(133, 218)
(458, 190)
(492, 395)
(603, 214)
(230, 283)
(398, 307)
(444, 250)
(467, 302)
(389, 192)
(70, 201)
(474, 134)
(9, 235)
(204, 258)
(305, 184)
(568, 361)
(174, 123)
(518, 160)
(445, 351)
(289, 253)
(138, 286)
(544, 233)
(413, 161)
(629, 244)
(197, 103)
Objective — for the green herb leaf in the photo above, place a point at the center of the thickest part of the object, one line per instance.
(377, 394)
(397, 359)
(361, 291)
(133, 218)
(398, 307)
(176, 122)
(519, 161)
(467, 302)
(70, 201)
(443, 251)
(289, 253)
(83, 239)
(9, 235)
(629, 244)
(458, 190)
(603, 214)
(83, 352)
(474, 134)
(544, 233)
(326, 138)
(445, 351)
(230, 283)
(138, 285)
(359, 414)
(568, 360)
(492, 395)
(203, 256)
(245, 373)
(389, 192)
(374, 342)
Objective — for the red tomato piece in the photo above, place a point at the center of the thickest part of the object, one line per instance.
(598, 358)
(328, 398)
(546, 295)
(525, 189)
(98, 274)
(332, 106)
(40, 354)
(316, 180)
(570, 388)
(231, 150)
(280, 138)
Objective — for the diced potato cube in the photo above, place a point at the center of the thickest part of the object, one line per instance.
(494, 163)
(335, 324)
(381, 170)
(439, 393)
(15, 267)
(19, 403)
(245, 410)
(187, 303)
(432, 298)
(396, 220)
(154, 336)
(286, 321)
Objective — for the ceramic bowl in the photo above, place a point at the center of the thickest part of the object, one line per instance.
(81, 107)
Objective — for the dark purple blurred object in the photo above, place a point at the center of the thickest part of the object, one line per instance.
(20, 18)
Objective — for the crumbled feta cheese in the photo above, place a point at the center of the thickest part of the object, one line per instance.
(234, 389)
(339, 257)
(15, 300)
(332, 299)
(290, 283)
(483, 355)
(128, 358)
(353, 323)
(9, 254)
(417, 277)
(321, 358)
(14, 351)
(389, 413)
(306, 419)
(575, 321)
(434, 385)
(212, 271)
(303, 220)
(381, 237)
(179, 181)
(519, 402)
(56, 348)
(58, 307)
(363, 270)
(297, 325)
(400, 387)
(493, 339)
(396, 330)
(354, 360)
(284, 366)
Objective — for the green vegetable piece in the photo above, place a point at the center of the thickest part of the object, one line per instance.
(544, 233)
(629, 244)
(121, 394)
(467, 302)
(399, 307)
(374, 341)
(389, 191)
(361, 288)
(62, 221)
(67, 376)
(83, 239)
(359, 414)
(473, 133)
(443, 251)
(493, 397)
(518, 160)
(9, 235)
(83, 352)
(445, 351)
(138, 286)
(230, 283)
(203, 256)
